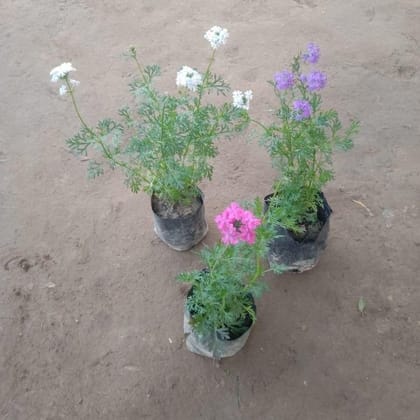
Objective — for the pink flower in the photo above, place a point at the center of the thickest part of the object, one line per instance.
(236, 224)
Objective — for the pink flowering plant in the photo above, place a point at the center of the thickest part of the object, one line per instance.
(220, 298)
(163, 142)
(302, 140)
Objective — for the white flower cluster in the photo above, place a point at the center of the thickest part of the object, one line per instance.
(189, 78)
(217, 36)
(59, 73)
(242, 99)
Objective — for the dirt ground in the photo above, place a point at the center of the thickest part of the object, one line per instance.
(90, 313)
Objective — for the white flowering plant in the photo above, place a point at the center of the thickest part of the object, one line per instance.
(165, 142)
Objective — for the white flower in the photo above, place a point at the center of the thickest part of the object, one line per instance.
(61, 71)
(242, 99)
(63, 90)
(189, 78)
(217, 36)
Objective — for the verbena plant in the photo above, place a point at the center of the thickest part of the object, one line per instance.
(301, 142)
(220, 299)
(165, 142)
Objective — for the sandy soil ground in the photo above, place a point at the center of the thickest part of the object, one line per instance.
(90, 313)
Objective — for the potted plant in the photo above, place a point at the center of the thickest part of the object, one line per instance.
(300, 144)
(165, 142)
(220, 308)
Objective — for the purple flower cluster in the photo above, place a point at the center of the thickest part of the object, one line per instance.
(312, 54)
(302, 109)
(315, 80)
(284, 80)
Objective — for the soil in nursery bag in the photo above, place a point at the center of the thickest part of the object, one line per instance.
(216, 345)
(299, 252)
(174, 211)
(178, 225)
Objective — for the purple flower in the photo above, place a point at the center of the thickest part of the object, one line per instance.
(284, 80)
(312, 54)
(315, 80)
(302, 109)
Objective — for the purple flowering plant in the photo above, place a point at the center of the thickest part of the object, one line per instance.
(301, 141)
(234, 267)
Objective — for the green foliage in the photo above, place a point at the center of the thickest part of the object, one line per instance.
(302, 150)
(164, 143)
(220, 299)
(94, 169)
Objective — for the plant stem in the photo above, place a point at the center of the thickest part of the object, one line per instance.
(257, 270)
(198, 103)
(104, 148)
(162, 125)
(212, 268)
(76, 108)
(205, 79)
(139, 67)
(258, 123)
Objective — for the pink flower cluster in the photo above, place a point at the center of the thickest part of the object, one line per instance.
(236, 224)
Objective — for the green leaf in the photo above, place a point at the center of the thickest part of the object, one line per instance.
(94, 169)
(361, 306)
(152, 71)
(278, 268)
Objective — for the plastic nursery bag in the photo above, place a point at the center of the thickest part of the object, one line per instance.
(299, 255)
(211, 345)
